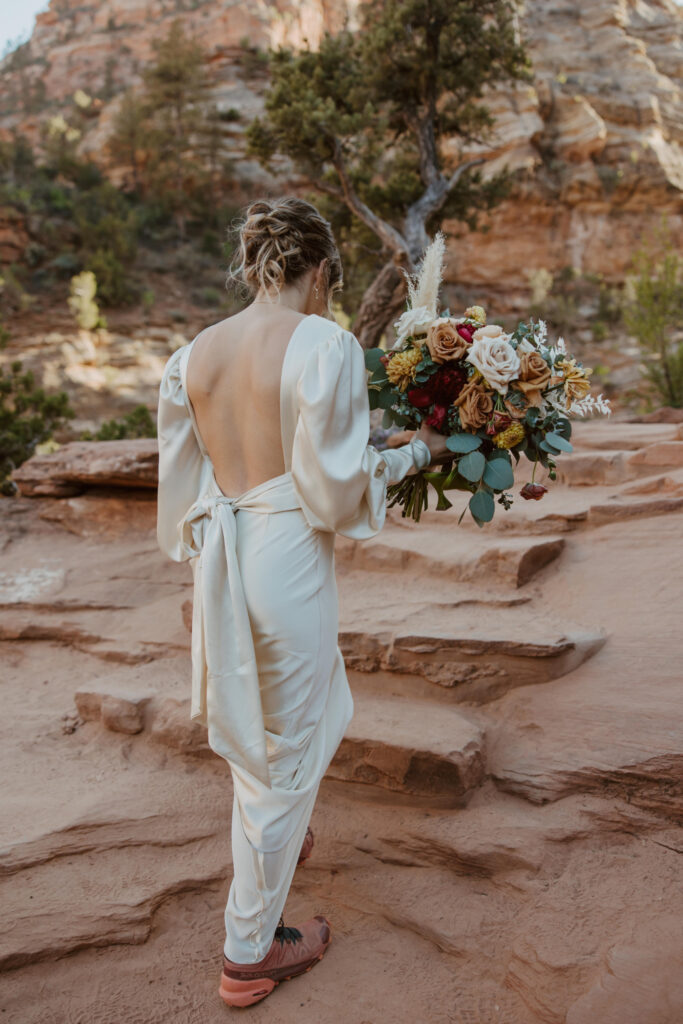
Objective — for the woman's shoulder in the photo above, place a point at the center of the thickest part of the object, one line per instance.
(329, 335)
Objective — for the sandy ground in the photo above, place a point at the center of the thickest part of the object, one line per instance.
(499, 839)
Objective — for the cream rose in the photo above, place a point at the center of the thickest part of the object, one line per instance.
(492, 354)
(413, 321)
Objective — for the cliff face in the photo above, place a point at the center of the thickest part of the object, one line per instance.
(596, 139)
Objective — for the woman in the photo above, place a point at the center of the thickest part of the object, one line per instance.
(263, 456)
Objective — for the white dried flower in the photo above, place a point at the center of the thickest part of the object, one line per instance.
(414, 321)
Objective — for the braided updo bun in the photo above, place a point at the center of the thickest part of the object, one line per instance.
(279, 240)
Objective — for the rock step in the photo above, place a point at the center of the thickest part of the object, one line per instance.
(455, 641)
(556, 744)
(603, 434)
(613, 466)
(62, 905)
(439, 550)
(401, 744)
(413, 747)
(79, 465)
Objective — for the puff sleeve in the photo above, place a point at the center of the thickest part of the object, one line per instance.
(340, 479)
(180, 460)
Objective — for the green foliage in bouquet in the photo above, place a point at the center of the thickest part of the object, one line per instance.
(495, 396)
(28, 417)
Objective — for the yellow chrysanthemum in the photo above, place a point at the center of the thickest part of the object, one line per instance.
(575, 380)
(509, 437)
(401, 367)
(477, 313)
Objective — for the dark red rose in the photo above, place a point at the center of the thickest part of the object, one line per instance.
(499, 421)
(384, 359)
(437, 417)
(448, 383)
(535, 491)
(440, 390)
(466, 332)
(421, 398)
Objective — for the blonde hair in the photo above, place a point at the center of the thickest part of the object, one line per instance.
(279, 240)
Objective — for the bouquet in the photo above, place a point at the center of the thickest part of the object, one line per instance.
(495, 395)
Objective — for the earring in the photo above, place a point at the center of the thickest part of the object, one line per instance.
(315, 292)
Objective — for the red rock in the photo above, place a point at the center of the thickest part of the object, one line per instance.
(81, 464)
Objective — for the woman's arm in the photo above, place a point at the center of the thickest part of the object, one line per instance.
(341, 480)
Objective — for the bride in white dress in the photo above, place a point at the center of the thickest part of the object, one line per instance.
(263, 426)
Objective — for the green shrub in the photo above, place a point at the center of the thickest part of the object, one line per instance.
(148, 299)
(207, 297)
(654, 314)
(28, 417)
(137, 423)
(113, 282)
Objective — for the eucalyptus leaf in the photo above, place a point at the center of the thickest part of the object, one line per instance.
(472, 466)
(385, 398)
(498, 474)
(482, 506)
(558, 441)
(463, 443)
(373, 357)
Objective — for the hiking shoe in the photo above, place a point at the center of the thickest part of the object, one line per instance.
(293, 951)
(306, 846)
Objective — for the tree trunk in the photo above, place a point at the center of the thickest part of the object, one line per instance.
(382, 303)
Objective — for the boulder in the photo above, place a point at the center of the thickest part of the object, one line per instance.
(79, 465)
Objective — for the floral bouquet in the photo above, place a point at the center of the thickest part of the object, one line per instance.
(495, 395)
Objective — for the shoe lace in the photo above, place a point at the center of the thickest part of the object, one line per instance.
(283, 933)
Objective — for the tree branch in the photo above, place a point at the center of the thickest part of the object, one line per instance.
(458, 173)
(429, 203)
(388, 235)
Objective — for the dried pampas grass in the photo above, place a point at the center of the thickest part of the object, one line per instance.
(423, 288)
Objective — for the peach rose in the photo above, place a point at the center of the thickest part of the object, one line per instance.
(475, 405)
(534, 374)
(444, 342)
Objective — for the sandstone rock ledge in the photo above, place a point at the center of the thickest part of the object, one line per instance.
(502, 823)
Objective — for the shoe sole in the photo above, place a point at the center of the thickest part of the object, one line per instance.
(236, 992)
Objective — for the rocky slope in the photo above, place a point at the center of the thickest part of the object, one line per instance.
(498, 837)
(596, 139)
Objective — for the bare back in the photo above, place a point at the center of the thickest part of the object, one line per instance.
(233, 383)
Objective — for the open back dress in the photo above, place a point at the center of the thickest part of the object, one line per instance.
(268, 677)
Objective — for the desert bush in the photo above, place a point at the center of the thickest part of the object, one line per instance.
(571, 296)
(81, 300)
(137, 423)
(28, 417)
(654, 314)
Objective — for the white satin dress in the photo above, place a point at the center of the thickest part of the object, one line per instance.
(268, 677)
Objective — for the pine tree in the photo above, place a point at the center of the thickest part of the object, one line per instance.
(169, 133)
(364, 119)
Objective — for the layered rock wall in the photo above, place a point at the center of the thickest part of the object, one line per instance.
(595, 139)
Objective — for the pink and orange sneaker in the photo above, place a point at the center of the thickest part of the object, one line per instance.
(293, 951)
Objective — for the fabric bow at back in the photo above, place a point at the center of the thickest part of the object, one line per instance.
(225, 683)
